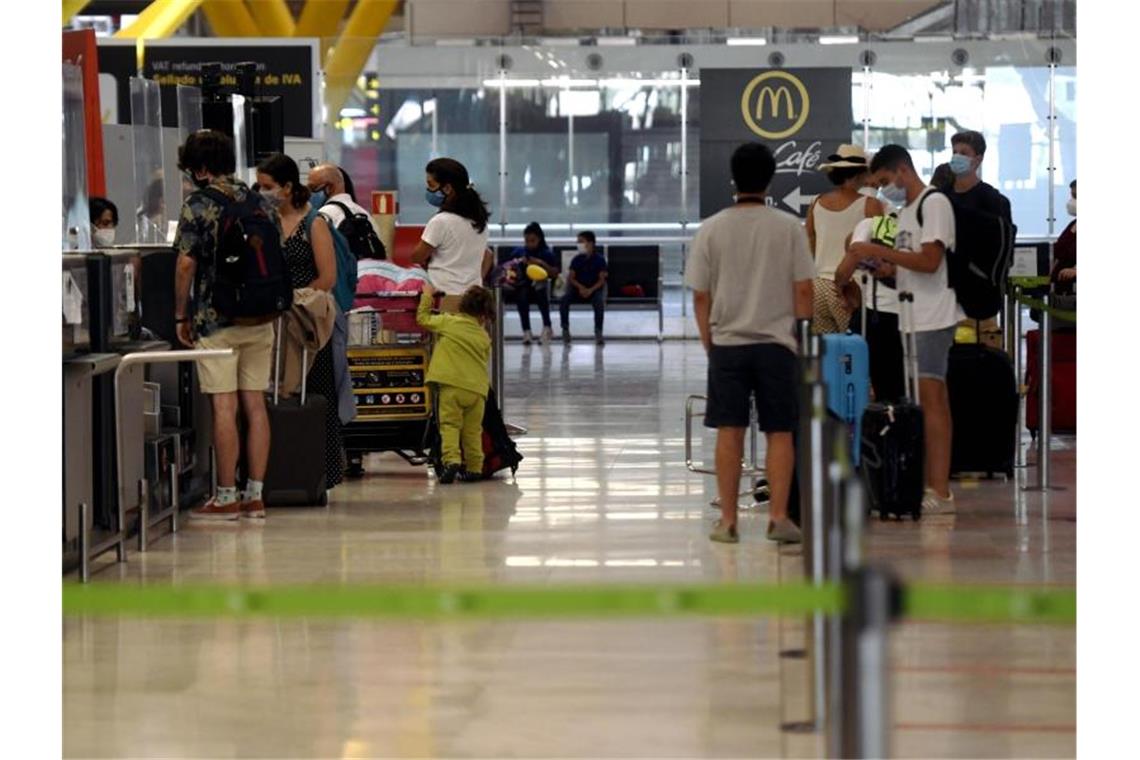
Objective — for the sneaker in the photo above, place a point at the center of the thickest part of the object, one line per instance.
(212, 511)
(467, 476)
(254, 509)
(934, 504)
(547, 336)
(598, 339)
(784, 532)
(724, 534)
(528, 338)
(450, 473)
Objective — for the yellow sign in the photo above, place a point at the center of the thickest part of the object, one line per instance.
(775, 105)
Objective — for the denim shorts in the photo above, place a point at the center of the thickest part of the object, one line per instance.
(934, 351)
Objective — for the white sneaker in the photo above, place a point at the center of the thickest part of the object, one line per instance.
(934, 504)
(528, 338)
(547, 336)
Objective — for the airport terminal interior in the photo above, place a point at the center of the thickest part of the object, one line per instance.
(576, 594)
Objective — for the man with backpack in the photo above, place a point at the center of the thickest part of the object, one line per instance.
(344, 214)
(970, 191)
(926, 233)
(231, 283)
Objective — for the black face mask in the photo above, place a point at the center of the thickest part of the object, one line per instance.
(201, 184)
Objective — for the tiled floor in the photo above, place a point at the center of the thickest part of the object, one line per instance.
(603, 496)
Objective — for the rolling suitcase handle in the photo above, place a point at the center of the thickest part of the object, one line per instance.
(910, 345)
(863, 306)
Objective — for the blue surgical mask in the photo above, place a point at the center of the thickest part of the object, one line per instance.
(435, 197)
(960, 164)
(893, 194)
(319, 198)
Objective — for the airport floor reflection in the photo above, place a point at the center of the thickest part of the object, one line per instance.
(603, 496)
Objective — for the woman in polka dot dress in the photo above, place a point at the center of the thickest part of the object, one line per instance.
(311, 258)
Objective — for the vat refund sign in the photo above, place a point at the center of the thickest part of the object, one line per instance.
(802, 115)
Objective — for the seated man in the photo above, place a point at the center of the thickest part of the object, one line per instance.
(587, 284)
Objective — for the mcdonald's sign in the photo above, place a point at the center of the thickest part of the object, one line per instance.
(775, 105)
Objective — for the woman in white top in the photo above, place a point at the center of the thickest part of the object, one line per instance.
(454, 243)
(833, 215)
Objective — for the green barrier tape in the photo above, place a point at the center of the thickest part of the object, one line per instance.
(961, 603)
(976, 604)
(428, 602)
(1034, 303)
(1029, 282)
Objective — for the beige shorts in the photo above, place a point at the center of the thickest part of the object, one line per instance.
(250, 366)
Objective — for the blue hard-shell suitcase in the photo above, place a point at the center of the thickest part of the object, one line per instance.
(847, 375)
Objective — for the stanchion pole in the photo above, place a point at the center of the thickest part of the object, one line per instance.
(1044, 405)
(864, 722)
(497, 350)
(815, 533)
(1019, 374)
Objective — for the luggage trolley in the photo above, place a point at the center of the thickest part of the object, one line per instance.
(388, 354)
(753, 470)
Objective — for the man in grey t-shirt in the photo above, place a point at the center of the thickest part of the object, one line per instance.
(751, 273)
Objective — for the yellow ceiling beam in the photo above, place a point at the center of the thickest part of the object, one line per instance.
(72, 7)
(320, 18)
(160, 19)
(230, 18)
(273, 17)
(352, 50)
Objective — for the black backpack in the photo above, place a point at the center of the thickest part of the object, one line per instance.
(361, 235)
(979, 263)
(251, 278)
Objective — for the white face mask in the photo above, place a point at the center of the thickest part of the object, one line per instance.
(273, 196)
(1071, 207)
(104, 238)
(583, 248)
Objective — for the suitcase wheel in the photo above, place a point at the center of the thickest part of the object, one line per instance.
(916, 515)
(883, 516)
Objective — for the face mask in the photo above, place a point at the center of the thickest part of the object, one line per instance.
(319, 198)
(893, 194)
(104, 238)
(870, 192)
(582, 248)
(960, 164)
(273, 196)
(1071, 207)
(435, 197)
(201, 184)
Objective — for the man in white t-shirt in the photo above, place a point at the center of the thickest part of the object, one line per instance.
(920, 256)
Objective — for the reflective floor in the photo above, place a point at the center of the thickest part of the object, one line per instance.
(603, 497)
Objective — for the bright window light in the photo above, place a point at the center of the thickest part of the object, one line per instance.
(510, 83)
(839, 39)
(620, 83)
(745, 41)
(567, 82)
(616, 41)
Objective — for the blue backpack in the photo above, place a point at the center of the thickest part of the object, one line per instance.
(344, 292)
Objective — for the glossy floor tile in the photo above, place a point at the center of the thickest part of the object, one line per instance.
(603, 496)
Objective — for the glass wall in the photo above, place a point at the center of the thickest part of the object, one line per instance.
(608, 151)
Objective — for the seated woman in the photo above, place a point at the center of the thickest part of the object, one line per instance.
(534, 251)
(104, 220)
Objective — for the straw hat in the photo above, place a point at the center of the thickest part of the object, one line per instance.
(847, 157)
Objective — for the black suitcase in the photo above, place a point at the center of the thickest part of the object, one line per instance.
(296, 473)
(894, 443)
(983, 408)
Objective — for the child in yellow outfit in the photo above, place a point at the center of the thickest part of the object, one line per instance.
(459, 369)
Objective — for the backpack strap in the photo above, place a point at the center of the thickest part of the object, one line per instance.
(348, 213)
(216, 195)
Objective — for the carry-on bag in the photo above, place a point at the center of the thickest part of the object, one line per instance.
(296, 473)
(846, 369)
(499, 450)
(983, 408)
(893, 438)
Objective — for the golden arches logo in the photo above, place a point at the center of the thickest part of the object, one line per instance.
(762, 101)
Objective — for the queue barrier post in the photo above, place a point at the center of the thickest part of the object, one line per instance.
(1044, 398)
(1019, 374)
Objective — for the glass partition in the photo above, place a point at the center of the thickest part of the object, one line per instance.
(189, 110)
(76, 219)
(150, 214)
